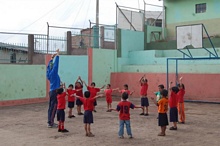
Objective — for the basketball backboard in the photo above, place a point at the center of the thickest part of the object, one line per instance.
(189, 35)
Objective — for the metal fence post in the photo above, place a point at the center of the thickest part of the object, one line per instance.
(69, 42)
(30, 48)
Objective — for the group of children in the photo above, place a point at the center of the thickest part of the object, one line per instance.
(176, 104)
(88, 100)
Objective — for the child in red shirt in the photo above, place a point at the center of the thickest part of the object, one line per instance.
(61, 105)
(180, 95)
(108, 93)
(123, 108)
(162, 111)
(93, 91)
(79, 92)
(173, 100)
(125, 90)
(71, 100)
(143, 94)
(88, 103)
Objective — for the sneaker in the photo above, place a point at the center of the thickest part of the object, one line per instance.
(55, 124)
(87, 134)
(52, 126)
(146, 114)
(95, 111)
(73, 116)
(142, 114)
(81, 114)
(69, 116)
(64, 131)
(160, 134)
(121, 137)
(173, 128)
(181, 122)
(59, 130)
(130, 136)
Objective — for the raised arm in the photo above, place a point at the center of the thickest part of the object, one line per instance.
(143, 77)
(79, 78)
(102, 87)
(154, 101)
(85, 84)
(131, 92)
(180, 81)
(76, 80)
(55, 68)
(64, 87)
(98, 96)
(116, 89)
(170, 85)
(138, 107)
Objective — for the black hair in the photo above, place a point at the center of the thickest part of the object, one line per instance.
(87, 94)
(164, 93)
(71, 85)
(93, 83)
(182, 86)
(145, 80)
(175, 89)
(79, 83)
(125, 96)
(161, 86)
(126, 85)
(59, 91)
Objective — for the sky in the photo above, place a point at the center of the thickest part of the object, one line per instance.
(32, 15)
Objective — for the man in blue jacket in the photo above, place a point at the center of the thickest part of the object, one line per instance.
(54, 79)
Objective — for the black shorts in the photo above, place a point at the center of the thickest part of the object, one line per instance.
(88, 117)
(78, 102)
(71, 104)
(173, 114)
(95, 103)
(162, 119)
(60, 115)
(144, 101)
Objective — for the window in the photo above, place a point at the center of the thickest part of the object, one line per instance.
(201, 8)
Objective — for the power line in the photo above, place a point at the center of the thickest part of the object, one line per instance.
(79, 11)
(87, 13)
(38, 18)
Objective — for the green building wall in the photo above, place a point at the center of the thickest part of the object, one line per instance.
(104, 61)
(22, 82)
(182, 12)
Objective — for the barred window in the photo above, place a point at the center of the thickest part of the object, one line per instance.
(201, 8)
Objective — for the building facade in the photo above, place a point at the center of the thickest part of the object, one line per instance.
(185, 12)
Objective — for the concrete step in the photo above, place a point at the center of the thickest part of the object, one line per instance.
(183, 68)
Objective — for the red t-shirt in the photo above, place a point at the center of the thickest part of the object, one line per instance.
(61, 101)
(80, 92)
(173, 100)
(108, 93)
(181, 94)
(88, 103)
(93, 91)
(70, 93)
(144, 87)
(124, 107)
(128, 91)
